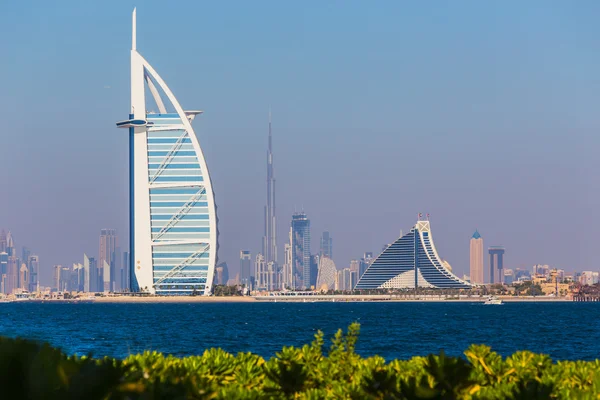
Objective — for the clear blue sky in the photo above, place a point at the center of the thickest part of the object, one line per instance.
(484, 114)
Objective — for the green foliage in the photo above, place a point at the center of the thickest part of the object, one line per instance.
(527, 288)
(29, 370)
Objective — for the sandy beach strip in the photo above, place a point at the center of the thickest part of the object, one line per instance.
(174, 299)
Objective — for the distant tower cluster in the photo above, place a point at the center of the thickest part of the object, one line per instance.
(16, 273)
(476, 259)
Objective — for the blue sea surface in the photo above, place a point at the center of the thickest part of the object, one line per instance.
(565, 331)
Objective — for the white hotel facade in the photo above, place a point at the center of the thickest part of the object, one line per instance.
(173, 220)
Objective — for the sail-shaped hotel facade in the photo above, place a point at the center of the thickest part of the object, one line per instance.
(412, 261)
(173, 219)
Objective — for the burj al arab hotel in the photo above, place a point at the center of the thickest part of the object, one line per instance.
(172, 212)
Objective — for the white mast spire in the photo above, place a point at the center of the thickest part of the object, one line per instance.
(133, 33)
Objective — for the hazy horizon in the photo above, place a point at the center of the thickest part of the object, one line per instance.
(482, 114)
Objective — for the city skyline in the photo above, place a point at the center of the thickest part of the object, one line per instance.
(343, 120)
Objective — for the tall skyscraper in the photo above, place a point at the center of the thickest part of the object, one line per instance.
(326, 245)
(56, 277)
(354, 266)
(78, 278)
(93, 281)
(2, 241)
(364, 263)
(270, 238)
(107, 257)
(496, 264)
(34, 269)
(245, 267)
(124, 273)
(105, 278)
(10, 245)
(222, 273)
(89, 277)
(301, 249)
(287, 273)
(476, 258)
(173, 217)
(314, 270)
(25, 253)
(12, 274)
(3, 268)
(24, 277)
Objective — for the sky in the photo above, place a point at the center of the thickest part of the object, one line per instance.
(483, 114)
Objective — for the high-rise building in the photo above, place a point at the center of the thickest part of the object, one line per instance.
(326, 245)
(92, 281)
(78, 278)
(173, 221)
(262, 280)
(496, 264)
(245, 267)
(327, 274)
(301, 249)
(411, 261)
(124, 273)
(270, 237)
(314, 270)
(4, 267)
(12, 273)
(354, 266)
(89, 277)
(476, 258)
(2, 241)
(10, 245)
(24, 277)
(364, 263)
(108, 256)
(34, 269)
(25, 253)
(346, 279)
(287, 273)
(222, 273)
(260, 272)
(57, 277)
(266, 274)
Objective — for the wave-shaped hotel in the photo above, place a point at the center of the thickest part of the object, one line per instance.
(411, 261)
(173, 221)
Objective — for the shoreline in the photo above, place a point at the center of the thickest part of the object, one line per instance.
(291, 299)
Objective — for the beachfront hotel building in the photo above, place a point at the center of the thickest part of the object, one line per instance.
(411, 261)
(173, 221)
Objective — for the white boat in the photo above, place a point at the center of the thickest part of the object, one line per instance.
(493, 300)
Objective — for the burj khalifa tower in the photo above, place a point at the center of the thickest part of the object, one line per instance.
(270, 236)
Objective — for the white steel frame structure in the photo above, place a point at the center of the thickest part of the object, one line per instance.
(173, 219)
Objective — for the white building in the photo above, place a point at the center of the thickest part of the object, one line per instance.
(173, 221)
